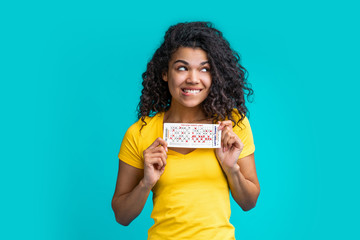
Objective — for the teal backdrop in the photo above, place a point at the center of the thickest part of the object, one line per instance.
(71, 79)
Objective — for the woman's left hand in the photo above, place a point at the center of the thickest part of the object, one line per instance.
(231, 147)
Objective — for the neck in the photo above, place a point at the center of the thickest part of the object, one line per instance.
(184, 115)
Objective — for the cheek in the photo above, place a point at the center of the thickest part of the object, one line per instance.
(208, 81)
(172, 85)
(176, 81)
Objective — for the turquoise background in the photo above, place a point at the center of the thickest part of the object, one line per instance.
(70, 82)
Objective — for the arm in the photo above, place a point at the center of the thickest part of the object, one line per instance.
(130, 194)
(241, 173)
(133, 185)
(244, 184)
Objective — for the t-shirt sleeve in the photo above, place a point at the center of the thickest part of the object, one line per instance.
(129, 150)
(246, 137)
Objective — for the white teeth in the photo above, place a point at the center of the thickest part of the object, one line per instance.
(191, 91)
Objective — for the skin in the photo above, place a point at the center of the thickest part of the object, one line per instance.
(188, 69)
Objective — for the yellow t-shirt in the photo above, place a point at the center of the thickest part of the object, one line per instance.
(191, 198)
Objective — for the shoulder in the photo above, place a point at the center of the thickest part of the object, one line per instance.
(144, 134)
(146, 124)
(244, 132)
(243, 124)
(137, 138)
(143, 128)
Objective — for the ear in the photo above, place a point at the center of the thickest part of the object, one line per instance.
(164, 76)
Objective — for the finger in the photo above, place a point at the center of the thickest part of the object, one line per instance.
(161, 150)
(226, 141)
(223, 124)
(157, 142)
(230, 139)
(227, 123)
(231, 142)
(163, 143)
(158, 152)
(225, 132)
(162, 155)
(162, 170)
(235, 141)
(156, 162)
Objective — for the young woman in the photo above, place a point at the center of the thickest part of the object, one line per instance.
(194, 77)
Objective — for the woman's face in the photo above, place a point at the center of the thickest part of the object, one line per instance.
(188, 77)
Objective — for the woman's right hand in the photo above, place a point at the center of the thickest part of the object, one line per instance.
(154, 162)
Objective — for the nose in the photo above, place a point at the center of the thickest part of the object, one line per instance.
(193, 77)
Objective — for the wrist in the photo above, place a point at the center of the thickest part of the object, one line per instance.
(231, 171)
(144, 185)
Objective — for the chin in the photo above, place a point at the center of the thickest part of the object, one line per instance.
(192, 105)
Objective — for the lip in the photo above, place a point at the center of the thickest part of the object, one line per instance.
(189, 93)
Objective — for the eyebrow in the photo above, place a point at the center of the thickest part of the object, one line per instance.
(186, 63)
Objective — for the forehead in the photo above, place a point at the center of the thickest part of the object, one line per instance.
(191, 55)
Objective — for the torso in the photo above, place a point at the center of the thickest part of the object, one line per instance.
(183, 151)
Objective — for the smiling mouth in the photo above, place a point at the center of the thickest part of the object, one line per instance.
(191, 91)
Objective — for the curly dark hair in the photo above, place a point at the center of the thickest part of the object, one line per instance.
(228, 87)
